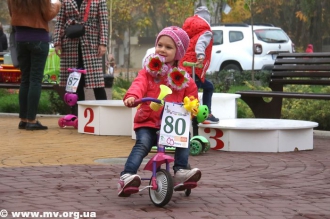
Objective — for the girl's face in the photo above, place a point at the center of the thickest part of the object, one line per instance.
(166, 47)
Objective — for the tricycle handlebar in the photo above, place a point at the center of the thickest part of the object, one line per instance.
(192, 64)
(83, 71)
(145, 99)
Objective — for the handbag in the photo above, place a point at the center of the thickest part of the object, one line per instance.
(12, 48)
(78, 30)
(75, 31)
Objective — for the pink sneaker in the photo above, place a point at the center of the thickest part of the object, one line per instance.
(186, 179)
(128, 184)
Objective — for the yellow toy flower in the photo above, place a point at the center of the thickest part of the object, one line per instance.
(191, 104)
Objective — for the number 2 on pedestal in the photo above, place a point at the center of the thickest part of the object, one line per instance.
(89, 129)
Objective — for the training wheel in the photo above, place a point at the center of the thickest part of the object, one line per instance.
(195, 147)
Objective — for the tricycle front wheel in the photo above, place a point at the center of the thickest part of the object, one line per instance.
(163, 194)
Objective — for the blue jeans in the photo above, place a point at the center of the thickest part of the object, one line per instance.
(208, 90)
(145, 139)
(32, 57)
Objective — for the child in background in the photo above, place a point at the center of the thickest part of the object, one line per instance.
(111, 64)
(199, 30)
(159, 68)
(309, 48)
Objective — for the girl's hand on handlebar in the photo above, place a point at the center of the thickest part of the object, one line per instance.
(129, 102)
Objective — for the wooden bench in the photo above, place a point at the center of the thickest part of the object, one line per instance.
(290, 69)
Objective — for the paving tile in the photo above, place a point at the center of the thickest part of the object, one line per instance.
(56, 170)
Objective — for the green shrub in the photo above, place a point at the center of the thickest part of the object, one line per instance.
(243, 110)
(306, 109)
(122, 83)
(49, 102)
(297, 109)
(9, 101)
(120, 87)
(45, 105)
(57, 104)
(118, 93)
(224, 80)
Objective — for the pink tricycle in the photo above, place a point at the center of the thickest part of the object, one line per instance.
(161, 183)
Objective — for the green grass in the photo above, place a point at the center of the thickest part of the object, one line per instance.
(235, 88)
(9, 102)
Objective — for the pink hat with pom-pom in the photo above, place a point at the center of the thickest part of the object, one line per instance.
(180, 38)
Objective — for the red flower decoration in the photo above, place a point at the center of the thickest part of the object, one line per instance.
(177, 77)
(155, 64)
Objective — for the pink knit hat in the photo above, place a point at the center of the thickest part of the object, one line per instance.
(180, 38)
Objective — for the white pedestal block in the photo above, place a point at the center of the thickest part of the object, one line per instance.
(223, 105)
(104, 117)
(259, 135)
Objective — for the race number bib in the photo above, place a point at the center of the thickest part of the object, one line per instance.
(175, 126)
(73, 82)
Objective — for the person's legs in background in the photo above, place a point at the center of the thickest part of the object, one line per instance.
(100, 93)
(208, 90)
(39, 53)
(80, 89)
(25, 67)
(32, 59)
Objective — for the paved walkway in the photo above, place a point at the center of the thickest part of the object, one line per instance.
(55, 171)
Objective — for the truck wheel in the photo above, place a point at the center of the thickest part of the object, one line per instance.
(232, 68)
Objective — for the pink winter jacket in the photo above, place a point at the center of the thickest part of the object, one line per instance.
(144, 85)
(309, 48)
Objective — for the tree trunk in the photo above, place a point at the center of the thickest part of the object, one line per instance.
(316, 31)
(252, 13)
